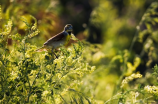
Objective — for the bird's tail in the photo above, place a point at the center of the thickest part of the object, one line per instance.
(41, 49)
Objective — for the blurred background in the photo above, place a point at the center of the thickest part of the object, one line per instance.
(108, 27)
(96, 21)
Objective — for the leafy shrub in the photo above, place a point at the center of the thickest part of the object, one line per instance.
(134, 87)
(27, 76)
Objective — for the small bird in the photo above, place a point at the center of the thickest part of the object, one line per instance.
(58, 40)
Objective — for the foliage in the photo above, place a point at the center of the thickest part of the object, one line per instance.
(126, 70)
(30, 77)
(143, 90)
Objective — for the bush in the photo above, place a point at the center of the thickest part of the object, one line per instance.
(31, 77)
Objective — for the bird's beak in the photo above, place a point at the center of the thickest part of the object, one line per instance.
(73, 37)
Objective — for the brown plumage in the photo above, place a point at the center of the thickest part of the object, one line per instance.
(57, 40)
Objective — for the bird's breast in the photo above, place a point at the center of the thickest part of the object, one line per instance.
(67, 39)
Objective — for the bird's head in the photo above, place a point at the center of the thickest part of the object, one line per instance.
(68, 28)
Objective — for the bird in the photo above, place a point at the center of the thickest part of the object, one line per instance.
(58, 40)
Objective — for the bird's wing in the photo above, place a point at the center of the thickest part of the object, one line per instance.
(57, 37)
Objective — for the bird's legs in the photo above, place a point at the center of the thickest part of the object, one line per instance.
(54, 54)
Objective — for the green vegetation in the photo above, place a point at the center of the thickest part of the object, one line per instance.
(31, 77)
(121, 69)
